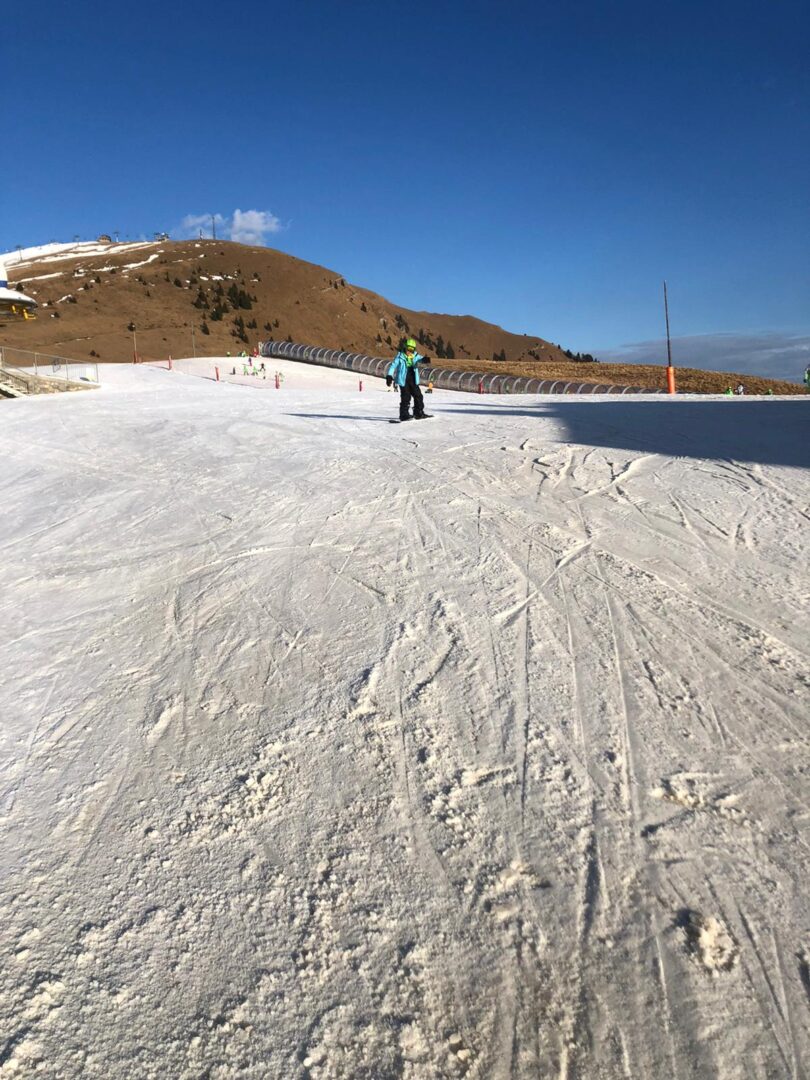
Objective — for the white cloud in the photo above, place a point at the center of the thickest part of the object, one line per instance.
(251, 226)
(192, 224)
(243, 226)
(772, 354)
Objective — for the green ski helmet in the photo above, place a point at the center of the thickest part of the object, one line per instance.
(410, 344)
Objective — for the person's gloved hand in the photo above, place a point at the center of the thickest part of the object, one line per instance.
(388, 380)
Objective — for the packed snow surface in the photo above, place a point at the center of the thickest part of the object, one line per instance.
(473, 747)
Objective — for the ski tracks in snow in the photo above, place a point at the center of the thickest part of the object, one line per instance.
(367, 757)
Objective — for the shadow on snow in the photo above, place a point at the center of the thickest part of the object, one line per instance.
(768, 432)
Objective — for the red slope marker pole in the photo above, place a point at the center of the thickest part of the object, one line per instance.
(361, 385)
(216, 372)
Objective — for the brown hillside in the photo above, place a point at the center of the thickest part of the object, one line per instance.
(650, 376)
(89, 300)
(98, 296)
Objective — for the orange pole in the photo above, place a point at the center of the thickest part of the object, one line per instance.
(670, 379)
(216, 369)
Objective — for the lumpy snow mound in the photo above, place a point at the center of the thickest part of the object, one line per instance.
(330, 748)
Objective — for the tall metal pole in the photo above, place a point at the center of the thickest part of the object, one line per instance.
(213, 227)
(670, 368)
(666, 315)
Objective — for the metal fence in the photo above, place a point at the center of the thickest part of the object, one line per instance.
(443, 378)
(51, 367)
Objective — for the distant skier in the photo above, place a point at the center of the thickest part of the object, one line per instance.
(807, 378)
(740, 390)
(404, 373)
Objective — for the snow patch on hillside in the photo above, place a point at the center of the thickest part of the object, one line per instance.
(49, 253)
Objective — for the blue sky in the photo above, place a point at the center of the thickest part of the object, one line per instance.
(540, 165)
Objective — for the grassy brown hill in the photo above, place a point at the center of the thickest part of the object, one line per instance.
(650, 376)
(92, 303)
(187, 283)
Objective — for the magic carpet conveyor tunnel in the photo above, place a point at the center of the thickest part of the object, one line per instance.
(442, 378)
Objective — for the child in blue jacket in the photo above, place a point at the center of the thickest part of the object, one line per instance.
(404, 373)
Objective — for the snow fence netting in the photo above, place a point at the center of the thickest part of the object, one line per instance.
(442, 378)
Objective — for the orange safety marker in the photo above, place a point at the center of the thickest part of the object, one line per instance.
(361, 384)
(216, 372)
(670, 379)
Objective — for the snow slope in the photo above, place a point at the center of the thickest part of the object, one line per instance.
(332, 748)
(58, 252)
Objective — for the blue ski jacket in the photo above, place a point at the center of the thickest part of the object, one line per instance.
(399, 368)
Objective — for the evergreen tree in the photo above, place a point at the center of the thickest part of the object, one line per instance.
(239, 323)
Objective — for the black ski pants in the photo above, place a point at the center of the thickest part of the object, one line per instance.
(408, 391)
